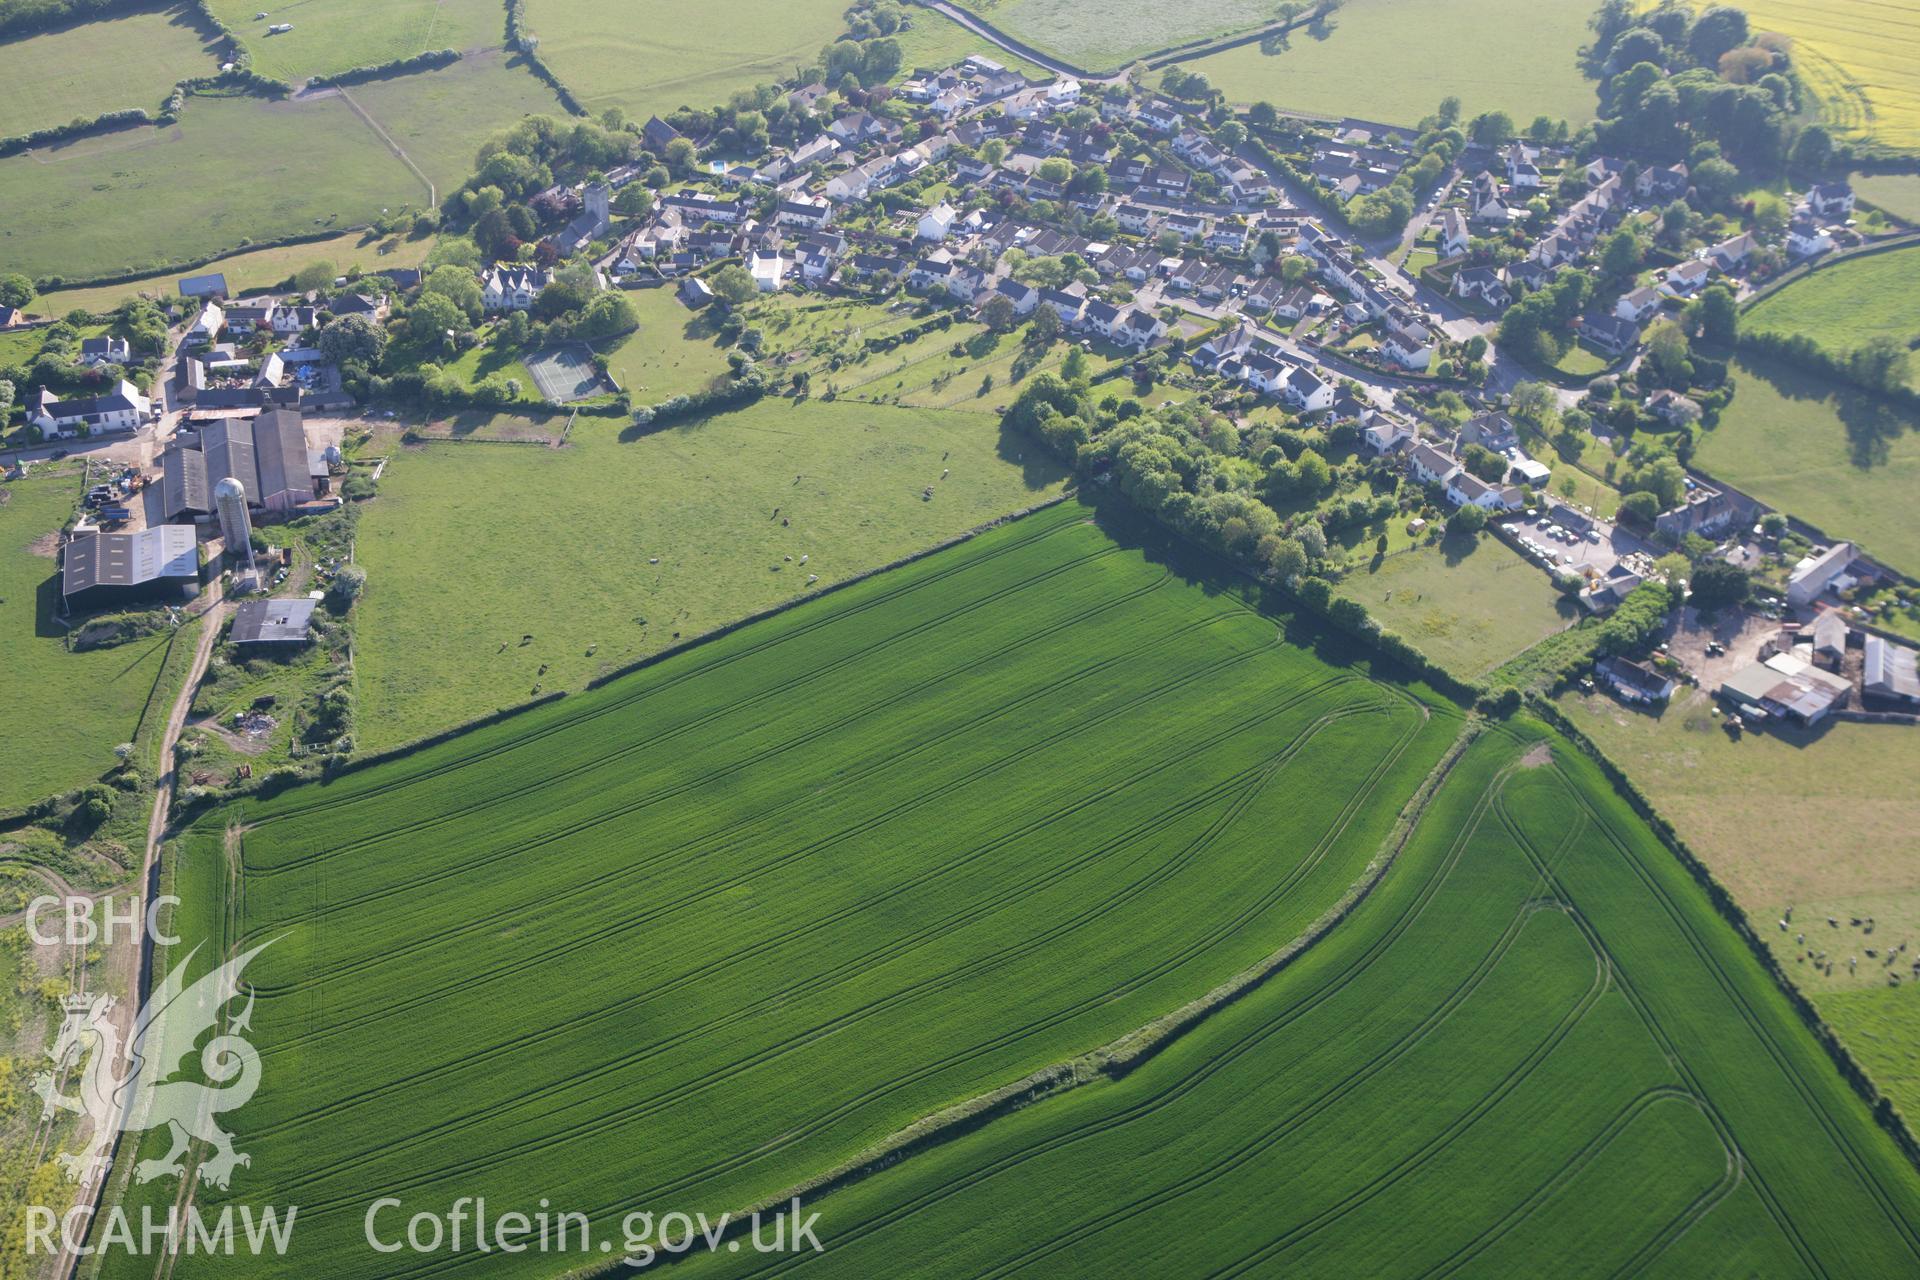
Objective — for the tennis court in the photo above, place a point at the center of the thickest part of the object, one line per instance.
(564, 373)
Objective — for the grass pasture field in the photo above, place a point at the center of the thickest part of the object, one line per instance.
(331, 36)
(251, 270)
(1104, 35)
(154, 197)
(933, 41)
(1897, 193)
(1861, 60)
(672, 353)
(611, 54)
(440, 117)
(1394, 60)
(1844, 305)
(83, 71)
(1468, 611)
(80, 704)
(845, 479)
(1533, 1050)
(686, 939)
(1845, 460)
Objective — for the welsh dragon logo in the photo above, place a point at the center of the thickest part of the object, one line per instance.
(131, 1088)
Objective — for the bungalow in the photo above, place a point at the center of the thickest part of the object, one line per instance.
(1672, 407)
(1024, 297)
(511, 288)
(1638, 305)
(95, 352)
(861, 127)
(122, 409)
(1731, 254)
(1685, 280)
(970, 169)
(1612, 334)
(1453, 233)
(862, 266)
(1481, 284)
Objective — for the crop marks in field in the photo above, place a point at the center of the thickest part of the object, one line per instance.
(691, 937)
(1861, 58)
(1532, 1051)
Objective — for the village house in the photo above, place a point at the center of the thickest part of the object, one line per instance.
(1481, 284)
(1831, 200)
(121, 409)
(1660, 185)
(1815, 574)
(511, 288)
(1638, 305)
(1686, 279)
(1634, 683)
(95, 352)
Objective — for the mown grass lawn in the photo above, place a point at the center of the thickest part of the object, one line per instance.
(609, 55)
(1468, 610)
(786, 881)
(79, 72)
(1846, 304)
(1504, 1059)
(342, 34)
(80, 705)
(1506, 55)
(674, 352)
(456, 579)
(153, 198)
(1845, 460)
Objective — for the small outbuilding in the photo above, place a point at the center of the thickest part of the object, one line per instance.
(272, 624)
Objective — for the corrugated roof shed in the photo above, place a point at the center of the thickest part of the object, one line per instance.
(272, 621)
(164, 552)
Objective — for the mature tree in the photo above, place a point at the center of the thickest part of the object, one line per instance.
(430, 318)
(1639, 509)
(315, 276)
(680, 155)
(1044, 328)
(458, 286)
(732, 285)
(1285, 558)
(1714, 315)
(1813, 149)
(1484, 463)
(1718, 585)
(1491, 128)
(606, 314)
(16, 290)
(997, 313)
(1714, 181)
(1055, 169)
(1622, 254)
(355, 339)
(1715, 32)
(1468, 521)
(1879, 364)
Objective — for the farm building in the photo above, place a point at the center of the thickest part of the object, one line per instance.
(267, 454)
(1812, 576)
(272, 624)
(103, 569)
(1634, 683)
(1786, 688)
(207, 286)
(1889, 673)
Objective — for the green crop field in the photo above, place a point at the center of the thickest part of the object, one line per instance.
(80, 704)
(611, 54)
(440, 117)
(1103, 35)
(1844, 305)
(1533, 1050)
(693, 936)
(1861, 60)
(845, 479)
(1394, 60)
(1846, 460)
(150, 197)
(1468, 611)
(330, 36)
(77, 73)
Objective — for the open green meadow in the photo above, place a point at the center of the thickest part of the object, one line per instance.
(251, 270)
(1821, 823)
(80, 705)
(722, 503)
(233, 170)
(1394, 60)
(1533, 1050)
(1861, 60)
(1844, 305)
(1103, 35)
(1846, 460)
(440, 117)
(672, 353)
(330, 36)
(934, 41)
(1897, 193)
(613, 54)
(79, 72)
(1467, 610)
(686, 939)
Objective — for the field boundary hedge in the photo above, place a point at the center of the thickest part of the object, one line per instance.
(430, 61)
(1885, 1113)
(105, 122)
(527, 45)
